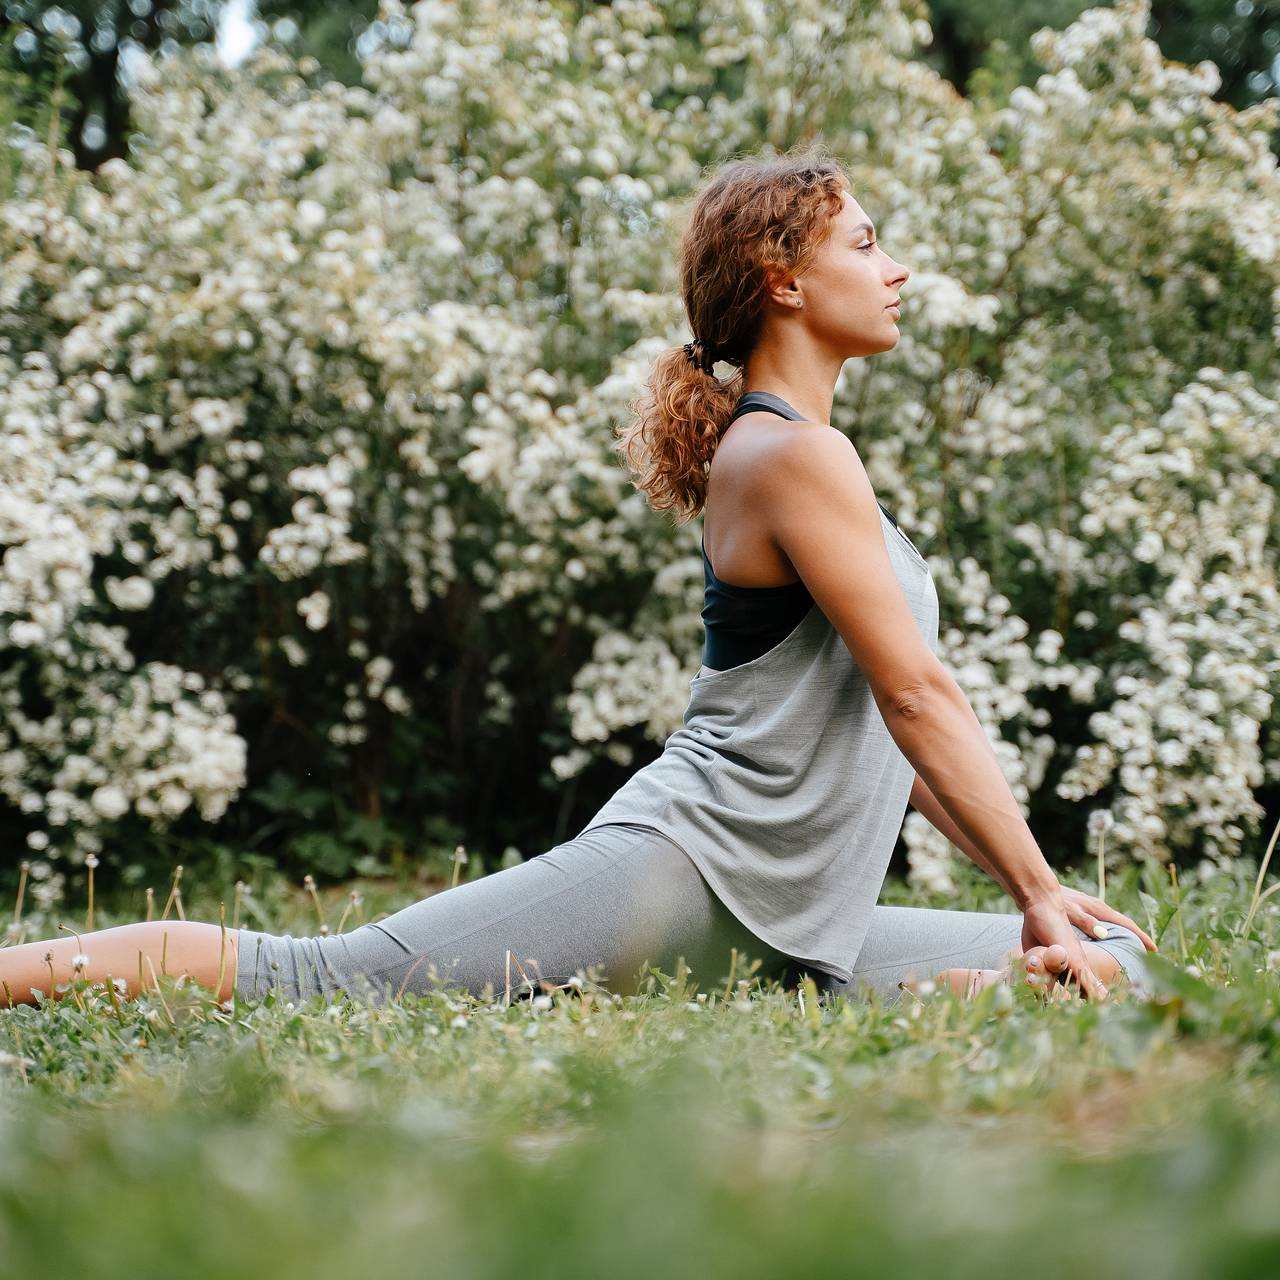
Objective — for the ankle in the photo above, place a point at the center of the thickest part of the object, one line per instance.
(1102, 962)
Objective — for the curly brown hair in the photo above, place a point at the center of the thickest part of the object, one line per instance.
(759, 215)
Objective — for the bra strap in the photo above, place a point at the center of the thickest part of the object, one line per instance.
(766, 401)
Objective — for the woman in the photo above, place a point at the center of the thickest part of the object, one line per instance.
(821, 709)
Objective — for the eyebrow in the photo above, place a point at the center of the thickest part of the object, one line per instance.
(862, 226)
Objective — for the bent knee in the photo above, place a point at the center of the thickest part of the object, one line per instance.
(1121, 936)
(1129, 951)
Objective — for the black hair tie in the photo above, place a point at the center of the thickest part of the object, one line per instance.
(705, 361)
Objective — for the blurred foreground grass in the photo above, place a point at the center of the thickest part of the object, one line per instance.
(747, 1131)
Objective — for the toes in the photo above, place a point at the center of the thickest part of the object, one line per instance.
(1045, 966)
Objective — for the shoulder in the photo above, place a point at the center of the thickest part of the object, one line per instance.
(812, 452)
(811, 475)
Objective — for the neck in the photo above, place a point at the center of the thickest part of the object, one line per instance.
(804, 378)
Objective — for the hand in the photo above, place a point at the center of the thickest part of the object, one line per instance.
(1084, 911)
(1044, 922)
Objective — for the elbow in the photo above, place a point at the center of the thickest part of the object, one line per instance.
(913, 699)
(910, 701)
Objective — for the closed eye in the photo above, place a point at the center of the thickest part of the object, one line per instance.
(871, 244)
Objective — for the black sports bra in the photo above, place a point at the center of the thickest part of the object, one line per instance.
(741, 623)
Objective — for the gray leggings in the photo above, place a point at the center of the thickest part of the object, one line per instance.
(614, 897)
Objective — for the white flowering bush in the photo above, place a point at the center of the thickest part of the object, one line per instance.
(307, 413)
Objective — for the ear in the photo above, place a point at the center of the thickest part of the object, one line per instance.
(784, 291)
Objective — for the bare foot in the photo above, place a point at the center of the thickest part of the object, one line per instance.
(1044, 965)
(968, 982)
(1041, 967)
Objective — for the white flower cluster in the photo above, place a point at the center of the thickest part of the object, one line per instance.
(627, 682)
(1192, 494)
(329, 373)
(155, 742)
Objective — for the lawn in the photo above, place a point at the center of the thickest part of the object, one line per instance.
(745, 1131)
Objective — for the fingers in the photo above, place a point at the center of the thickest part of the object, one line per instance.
(1089, 923)
(1104, 911)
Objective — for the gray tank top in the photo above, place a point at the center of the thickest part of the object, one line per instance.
(784, 786)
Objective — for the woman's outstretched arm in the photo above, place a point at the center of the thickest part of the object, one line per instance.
(1083, 910)
(928, 804)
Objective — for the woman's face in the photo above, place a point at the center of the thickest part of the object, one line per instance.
(847, 289)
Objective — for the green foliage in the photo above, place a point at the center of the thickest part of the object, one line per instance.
(32, 108)
(328, 31)
(84, 41)
(982, 48)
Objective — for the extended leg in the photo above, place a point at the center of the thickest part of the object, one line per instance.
(613, 898)
(135, 954)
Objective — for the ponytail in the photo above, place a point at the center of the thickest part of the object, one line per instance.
(675, 428)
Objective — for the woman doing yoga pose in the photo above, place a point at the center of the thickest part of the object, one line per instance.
(821, 709)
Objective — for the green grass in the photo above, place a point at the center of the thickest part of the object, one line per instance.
(753, 1132)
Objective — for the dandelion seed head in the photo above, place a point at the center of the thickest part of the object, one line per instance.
(1100, 822)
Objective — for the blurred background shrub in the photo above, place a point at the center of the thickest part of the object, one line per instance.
(314, 546)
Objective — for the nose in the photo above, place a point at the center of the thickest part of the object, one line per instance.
(900, 275)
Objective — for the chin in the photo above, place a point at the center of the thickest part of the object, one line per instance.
(875, 351)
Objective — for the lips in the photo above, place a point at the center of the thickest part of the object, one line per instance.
(897, 302)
